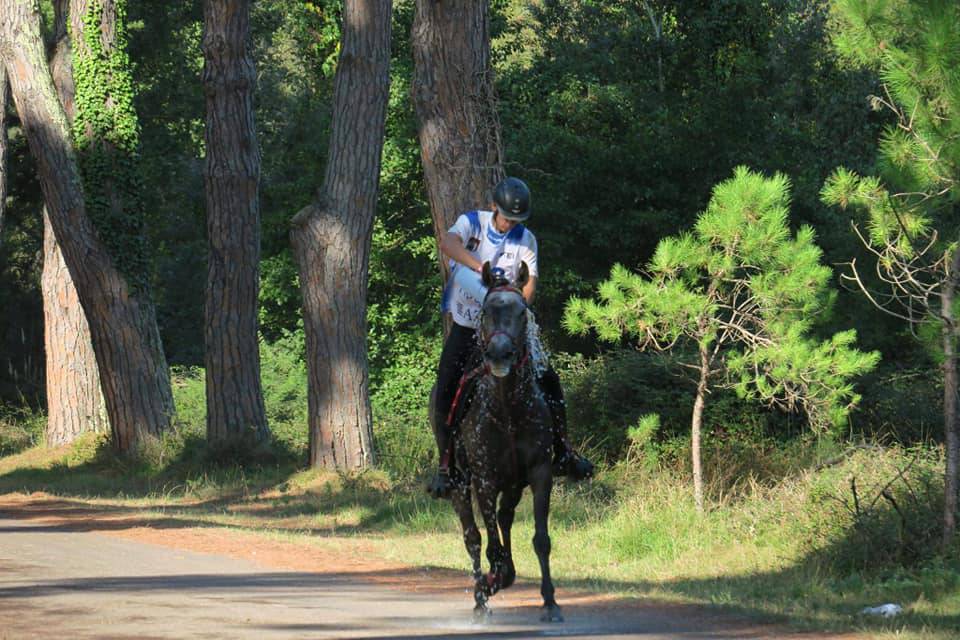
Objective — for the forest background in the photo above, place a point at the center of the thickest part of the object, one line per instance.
(621, 125)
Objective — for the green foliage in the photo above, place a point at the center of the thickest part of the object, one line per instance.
(20, 429)
(321, 23)
(611, 399)
(21, 251)
(916, 49)
(402, 435)
(404, 283)
(620, 154)
(283, 373)
(641, 437)
(746, 292)
(910, 209)
(900, 404)
(876, 511)
(107, 136)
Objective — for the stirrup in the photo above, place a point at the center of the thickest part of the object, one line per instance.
(440, 485)
(573, 465)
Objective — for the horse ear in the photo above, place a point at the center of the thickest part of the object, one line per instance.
(523, 275)
(486, 275)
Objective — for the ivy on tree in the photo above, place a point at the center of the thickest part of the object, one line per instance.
(107, 135)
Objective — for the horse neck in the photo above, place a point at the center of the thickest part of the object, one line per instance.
(515, 387)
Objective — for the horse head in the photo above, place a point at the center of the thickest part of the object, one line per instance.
(503, 320)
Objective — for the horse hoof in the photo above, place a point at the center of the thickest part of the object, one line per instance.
(551, 613)
(481, 614)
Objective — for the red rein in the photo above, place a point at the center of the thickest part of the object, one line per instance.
(482, 369)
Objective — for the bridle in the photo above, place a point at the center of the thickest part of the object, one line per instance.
(484, 369)
(485, 340)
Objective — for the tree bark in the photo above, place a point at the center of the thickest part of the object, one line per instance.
(4, 98)
(331, 242)
(696, 422)
(75, 402)
(950, 388)
(455, 102)
(235, 409)
(696, 427)
(133, 371)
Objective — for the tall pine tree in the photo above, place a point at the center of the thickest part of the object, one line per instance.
(235, 408)
(101, 259)
(912, 208)
(331, 242)
(75, 403)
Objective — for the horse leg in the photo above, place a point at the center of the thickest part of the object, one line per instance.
(542, 484)
(487, 499)
(508, 507)
(463, 505)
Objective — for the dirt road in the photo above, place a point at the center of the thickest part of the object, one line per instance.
(70, 578)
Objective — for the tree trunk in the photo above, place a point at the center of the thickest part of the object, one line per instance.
(75, 401)
(696, 426)
(658, 34)
(950, 389)
(133, 371)
(235, 409)
(4, 98)
(331, 242)
(455, 102)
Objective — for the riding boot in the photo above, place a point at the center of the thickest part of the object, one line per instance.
(566, 461)
(458, 349)
(441, 485)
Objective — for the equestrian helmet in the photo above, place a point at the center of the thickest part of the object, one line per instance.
(513, 199)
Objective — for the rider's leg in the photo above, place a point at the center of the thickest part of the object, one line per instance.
(453, 360)
(566, 461)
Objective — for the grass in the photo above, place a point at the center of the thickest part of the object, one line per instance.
(784, 550)
(786, 538)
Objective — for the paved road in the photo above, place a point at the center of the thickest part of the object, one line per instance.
(56, 583)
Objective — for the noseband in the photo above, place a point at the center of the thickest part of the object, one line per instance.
(483, 369)
(485, 340)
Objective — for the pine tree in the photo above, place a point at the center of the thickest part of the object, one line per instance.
(236, 415)
(134, 374)
(911, 208)
(745, 293)
(4, 96)
(331, 242)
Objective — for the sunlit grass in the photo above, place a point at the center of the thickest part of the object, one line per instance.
(784, 550)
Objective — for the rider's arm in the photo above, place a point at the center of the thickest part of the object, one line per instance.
(529, 289)
(528, 254)
(451, 245)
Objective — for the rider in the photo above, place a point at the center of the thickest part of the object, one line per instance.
(497, 237)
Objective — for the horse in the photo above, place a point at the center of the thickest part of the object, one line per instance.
(504, 443)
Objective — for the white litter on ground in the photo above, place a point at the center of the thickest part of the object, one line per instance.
(886, 610)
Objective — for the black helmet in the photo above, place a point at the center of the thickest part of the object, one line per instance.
(513, 199)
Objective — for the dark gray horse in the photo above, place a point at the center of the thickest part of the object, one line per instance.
(504, 443)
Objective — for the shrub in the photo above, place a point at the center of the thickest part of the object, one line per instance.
(402, 435)
(607, 395)
(20, 429)
(879, 508)
(283, 371)
(905, 405)
(284, 378)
